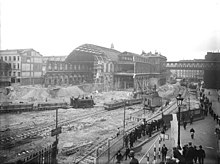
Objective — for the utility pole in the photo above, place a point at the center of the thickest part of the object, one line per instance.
(56, 132)
(124, 118)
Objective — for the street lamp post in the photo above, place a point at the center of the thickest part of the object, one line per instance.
(179, 103)
(189, 102)
(124, 119)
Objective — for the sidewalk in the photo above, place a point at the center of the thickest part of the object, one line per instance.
(204, 135)
(213, 97)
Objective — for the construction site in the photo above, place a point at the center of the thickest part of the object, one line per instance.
(80, 127)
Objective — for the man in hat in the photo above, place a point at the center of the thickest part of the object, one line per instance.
(201, 155)
(119, 157)
(133, 159)
(164, 152)
(192, 131)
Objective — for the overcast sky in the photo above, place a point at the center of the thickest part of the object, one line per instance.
(178, 29)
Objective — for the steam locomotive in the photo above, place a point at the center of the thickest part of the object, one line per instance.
(82, 102)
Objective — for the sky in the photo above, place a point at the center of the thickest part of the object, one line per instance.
(178, 29)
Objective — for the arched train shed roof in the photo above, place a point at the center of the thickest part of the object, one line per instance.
(90, 52)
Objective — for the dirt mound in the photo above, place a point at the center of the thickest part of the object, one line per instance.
(36, 94)
(70, 91)
(106, 97)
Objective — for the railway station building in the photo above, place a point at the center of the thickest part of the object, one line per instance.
(106, 68)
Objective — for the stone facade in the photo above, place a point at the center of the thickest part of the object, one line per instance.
(26, 65)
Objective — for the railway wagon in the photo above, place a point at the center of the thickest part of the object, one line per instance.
(114, 105)
(82, 103)
(133, 101)
(51, 106)
(16, 107)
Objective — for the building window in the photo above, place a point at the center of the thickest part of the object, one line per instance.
(49, 67)
(14, 73)
(19, 74)
(14, 58)
(55, 66)
(14, 66)
(9, 73)
(9, 58)
(18, 66)
(1, 57)
(18, 58)
(18, 81)
(5, 58)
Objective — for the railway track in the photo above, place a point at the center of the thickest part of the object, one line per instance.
(89, 155)
(40, 131)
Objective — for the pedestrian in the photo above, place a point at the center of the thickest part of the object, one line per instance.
(196, 154)
(119, 157)
(190, 154)
(133, 159)
(126, 140)
(185, 149)
(201, 155)
(127, 151)
(192, 132)
(164, 152)
(118, 133)
(191, 118)
(184, 124)
(178, 155)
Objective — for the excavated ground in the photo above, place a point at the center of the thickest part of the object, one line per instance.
(87, 130)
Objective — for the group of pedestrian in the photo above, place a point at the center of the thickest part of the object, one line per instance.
(142, 130)
(128, 154)
(190, 154)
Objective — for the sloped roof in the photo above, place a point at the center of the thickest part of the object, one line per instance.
(93, 50)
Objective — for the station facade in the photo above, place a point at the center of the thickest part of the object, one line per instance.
(110, 68)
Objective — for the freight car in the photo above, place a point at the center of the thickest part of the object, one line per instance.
(51, 106)
(116, 105)
(82, 102)
(16, 107)
(27, 107)
(133, 101)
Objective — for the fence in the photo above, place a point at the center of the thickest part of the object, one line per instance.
(197, 115)
(44, 156)
(109, 153)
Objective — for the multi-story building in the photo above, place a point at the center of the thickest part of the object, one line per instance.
(86, 64)
(135, 71)
(114, 70)
(189, 73)
(212, 76)
(51, 58)
(26, 65)
(5, 79)
(159, 62)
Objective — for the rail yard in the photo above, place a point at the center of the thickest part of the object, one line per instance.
(83, 129)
